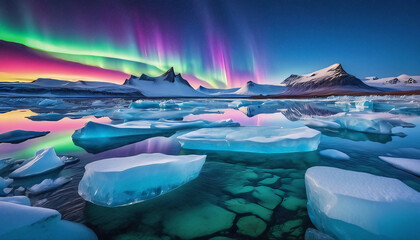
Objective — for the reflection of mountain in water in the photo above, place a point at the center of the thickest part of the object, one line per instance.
(291, 110)
(297, 110)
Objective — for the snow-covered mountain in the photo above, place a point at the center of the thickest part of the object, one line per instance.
(403, 82)
(255, 89)
(166, 85)
(54, 87)
(330, 80)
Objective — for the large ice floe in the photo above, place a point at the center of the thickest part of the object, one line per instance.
(253, 139)
(19, 221)
(45, 160)
(18, 136)
(356, 205)
(117, 182)
(410, 165)
(378, 123)
(93, 130)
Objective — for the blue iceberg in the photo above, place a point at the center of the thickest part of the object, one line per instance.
(45, 160)
(117, 182)
(18, 136)
(253, 139)
(356, 205)
(18, 221)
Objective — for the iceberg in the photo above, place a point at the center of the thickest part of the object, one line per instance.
(48, 184)
(143, 104)
(117, 182)
(93, 130)
(45, 160)
(332, 153)
(19, 221)
(18, 136)
(318, 123)
(253, 139)
(406, 164)
(355, 205)
(378, 123)
(23, 200)
(4, 183)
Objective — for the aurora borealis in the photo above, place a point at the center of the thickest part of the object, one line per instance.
(212, 43)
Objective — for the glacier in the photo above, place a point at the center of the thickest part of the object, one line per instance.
(253, 139)
(410, 165)
(18, 136)
(356, 205)
(123, 181)
(45, 160)
(19, 222)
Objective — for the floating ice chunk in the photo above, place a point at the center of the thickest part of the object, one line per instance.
(48, 185)
(23, 200)
(47, 117)
(170, 104)
(378, 123)
(253, 139)
(406, 164)
(143, 104)
(117, 182)
(240, 103)
(135, 114)
(356, 205)
(48, 102)
(332, 153)
(94, 130)
(5, 163)
(25, 222)
(4, 183)
(45, 160)
(318, 123)
(18, 136)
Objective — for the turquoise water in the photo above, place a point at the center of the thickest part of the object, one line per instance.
(237, 195)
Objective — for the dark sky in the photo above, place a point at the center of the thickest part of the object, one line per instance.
(224, 43)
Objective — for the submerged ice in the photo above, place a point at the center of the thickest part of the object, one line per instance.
(253, 139)
(117, 182)
(356, 205)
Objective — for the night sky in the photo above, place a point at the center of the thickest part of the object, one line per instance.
(211, 42)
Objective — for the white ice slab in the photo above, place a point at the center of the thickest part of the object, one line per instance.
(117, 182)
(253, 139)
(356, 205)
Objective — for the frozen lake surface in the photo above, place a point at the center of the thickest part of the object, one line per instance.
(252, 195)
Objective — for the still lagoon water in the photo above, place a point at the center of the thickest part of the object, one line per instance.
(237, 195)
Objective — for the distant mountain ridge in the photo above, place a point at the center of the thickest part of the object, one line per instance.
(328, 81)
